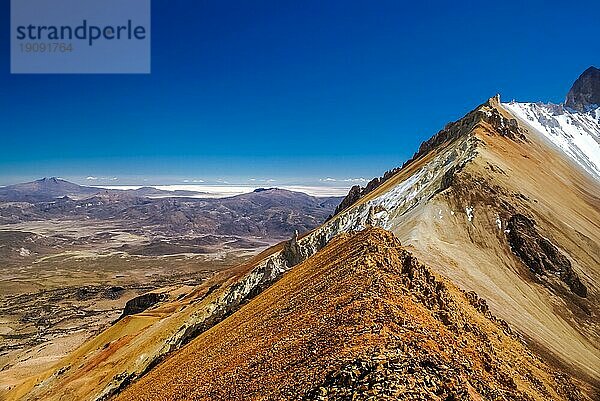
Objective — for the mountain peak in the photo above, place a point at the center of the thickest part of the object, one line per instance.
(53, 181)
(45, 189)
(585, 92)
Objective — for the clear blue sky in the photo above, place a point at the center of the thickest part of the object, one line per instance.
(290, 90)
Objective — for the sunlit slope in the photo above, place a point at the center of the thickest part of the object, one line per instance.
(131, 346)
(361, 318)
(487, 203)
(465, 233)
(454, 204)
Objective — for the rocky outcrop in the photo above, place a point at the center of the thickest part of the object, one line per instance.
(350, 199)
(420, 376)
(507, 127)
(585, 93)
(540, 255)
(292, 251)
(141, 303)
(356, 192)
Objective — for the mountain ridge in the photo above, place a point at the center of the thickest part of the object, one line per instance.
(451, 207)
(486, 113)
(375, 311)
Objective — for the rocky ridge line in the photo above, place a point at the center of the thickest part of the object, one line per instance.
(409, 370)
(486, 113)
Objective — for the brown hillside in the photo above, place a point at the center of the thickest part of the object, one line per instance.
(361, 318)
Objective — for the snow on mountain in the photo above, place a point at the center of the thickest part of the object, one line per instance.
(576, 133)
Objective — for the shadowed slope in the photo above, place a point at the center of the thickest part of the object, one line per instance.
(360, 318)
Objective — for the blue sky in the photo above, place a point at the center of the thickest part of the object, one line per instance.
(294, 91)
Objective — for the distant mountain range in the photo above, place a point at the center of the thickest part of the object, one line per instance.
(48, 189)
(266, 212)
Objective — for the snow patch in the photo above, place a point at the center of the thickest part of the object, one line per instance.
(577, 134)
(469, 211)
